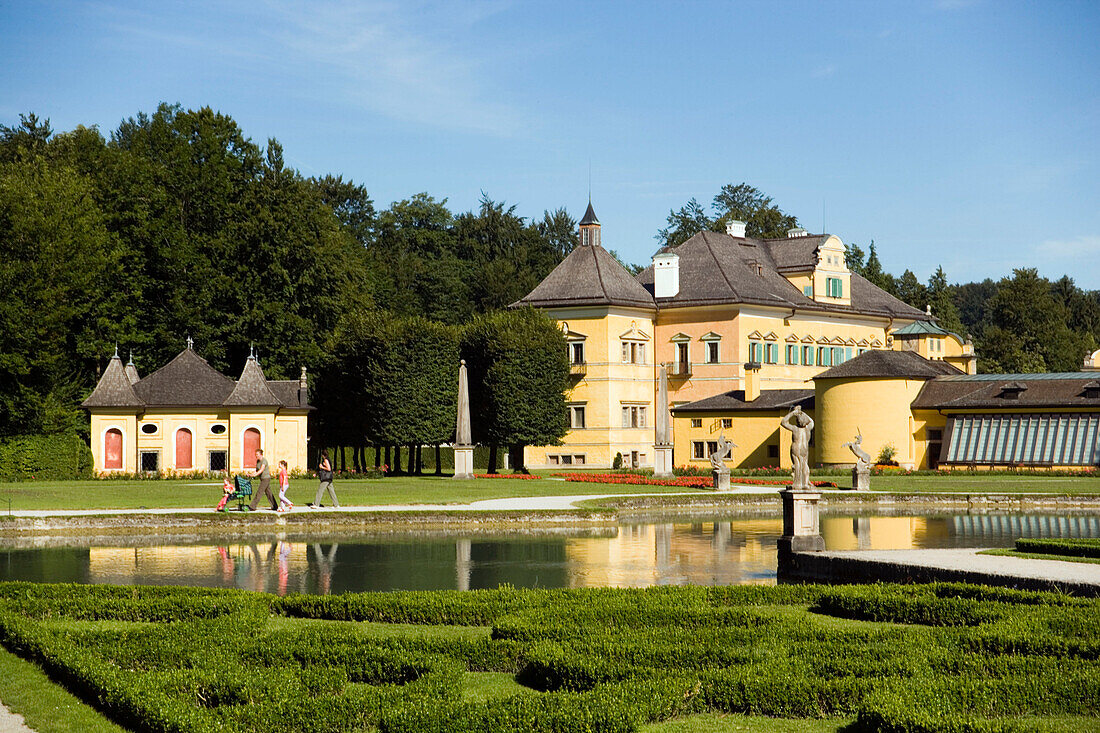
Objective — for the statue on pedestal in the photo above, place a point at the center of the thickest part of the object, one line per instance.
(861, 472)
(719, 470)
(801, 426)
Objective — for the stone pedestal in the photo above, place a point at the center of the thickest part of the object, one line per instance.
(464, 461)
(861, 479)
(662, 461)
(721, 478)
(801, 527)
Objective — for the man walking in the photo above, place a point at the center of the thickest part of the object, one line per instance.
(263, 471)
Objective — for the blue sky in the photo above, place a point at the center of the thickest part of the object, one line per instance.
(954, 132)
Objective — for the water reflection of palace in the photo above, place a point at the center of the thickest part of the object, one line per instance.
(697, 553)
(705, 551)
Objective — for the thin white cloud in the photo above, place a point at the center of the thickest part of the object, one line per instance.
(1083, 246)
(822, 72)
(415, 62)
(409, 61)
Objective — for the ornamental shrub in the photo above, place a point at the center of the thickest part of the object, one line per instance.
(58, 457)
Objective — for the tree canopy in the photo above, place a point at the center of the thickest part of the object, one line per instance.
(740, 202)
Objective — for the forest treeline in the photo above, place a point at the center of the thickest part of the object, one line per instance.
(177, 224)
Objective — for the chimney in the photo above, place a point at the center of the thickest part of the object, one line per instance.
(303, 388)
(796, 232)
(666, 274)
(736, 228)
(752, 381)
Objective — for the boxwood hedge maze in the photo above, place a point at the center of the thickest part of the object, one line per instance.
(881, 658)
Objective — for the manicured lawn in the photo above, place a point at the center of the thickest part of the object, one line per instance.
(46, 706)
(1039, 556)
(182, 493)
(408, 490)
(713, 723)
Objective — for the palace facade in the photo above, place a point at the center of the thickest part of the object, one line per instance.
(745, 329)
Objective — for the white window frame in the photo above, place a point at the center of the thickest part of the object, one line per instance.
(574, 411)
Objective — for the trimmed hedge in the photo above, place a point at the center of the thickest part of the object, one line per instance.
(1067, 547)
(942, 657)
(45, 458)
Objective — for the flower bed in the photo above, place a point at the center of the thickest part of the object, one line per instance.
(524, 476)
(687, 482)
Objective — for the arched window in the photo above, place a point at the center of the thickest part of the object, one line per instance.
(251, 443)
(183, 449)
(112, 448)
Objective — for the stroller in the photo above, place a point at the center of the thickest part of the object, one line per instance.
(242, 491)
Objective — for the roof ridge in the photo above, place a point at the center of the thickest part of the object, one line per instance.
(599, 272)
(725, 277)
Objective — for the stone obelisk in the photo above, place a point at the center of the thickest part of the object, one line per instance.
(662, 449)
(464, 448)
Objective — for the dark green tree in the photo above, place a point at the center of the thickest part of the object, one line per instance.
(519, 371)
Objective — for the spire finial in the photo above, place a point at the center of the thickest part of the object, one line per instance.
(251, 350)
(131, 362)
(190, 343)
(116, 356)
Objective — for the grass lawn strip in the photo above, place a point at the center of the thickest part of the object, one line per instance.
(1005, 552)
(929, 658)
(46, 706)
(404, 490)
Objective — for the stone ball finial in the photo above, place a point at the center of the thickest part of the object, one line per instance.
(462, 362)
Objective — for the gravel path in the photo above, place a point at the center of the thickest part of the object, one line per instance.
(968, 560)
(11, 722)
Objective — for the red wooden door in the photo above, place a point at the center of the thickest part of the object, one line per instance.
(112, 449)
(251, 445)
(183, 448)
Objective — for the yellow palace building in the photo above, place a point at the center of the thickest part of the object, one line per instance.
(741, 326)
(187, 418)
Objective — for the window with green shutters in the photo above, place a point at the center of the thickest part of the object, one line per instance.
(771, 353)
(834, 286)
(792, 354)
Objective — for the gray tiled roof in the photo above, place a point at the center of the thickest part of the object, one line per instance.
(252, 389)
(769, 399)
(717, 268)
(113, 389)
(287, 392)
(589, 275)
(1064, 390)
(186, 380)
(888, 363)
(189, 381)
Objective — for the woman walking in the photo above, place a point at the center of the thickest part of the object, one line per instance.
(324, 475)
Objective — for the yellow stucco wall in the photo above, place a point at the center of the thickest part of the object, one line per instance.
(282, 437)
(876, 408)
(604, 387)
(751, 432)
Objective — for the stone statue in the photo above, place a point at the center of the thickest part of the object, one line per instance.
(861, 472)
(863, 458)
(719, 470)
(718, 457)
(801, 426)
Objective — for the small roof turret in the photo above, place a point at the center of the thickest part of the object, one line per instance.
(252, 389)
(131, 370)
(589, 216)
(114, 389)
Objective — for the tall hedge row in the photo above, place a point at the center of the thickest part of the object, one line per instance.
(45, 457)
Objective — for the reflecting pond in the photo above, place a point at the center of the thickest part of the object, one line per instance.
(702, 550)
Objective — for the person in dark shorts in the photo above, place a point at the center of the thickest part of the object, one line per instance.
(263, 472)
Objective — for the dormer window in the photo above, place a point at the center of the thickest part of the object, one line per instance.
(1012, 390)
(834, 287)
(1092, 390)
